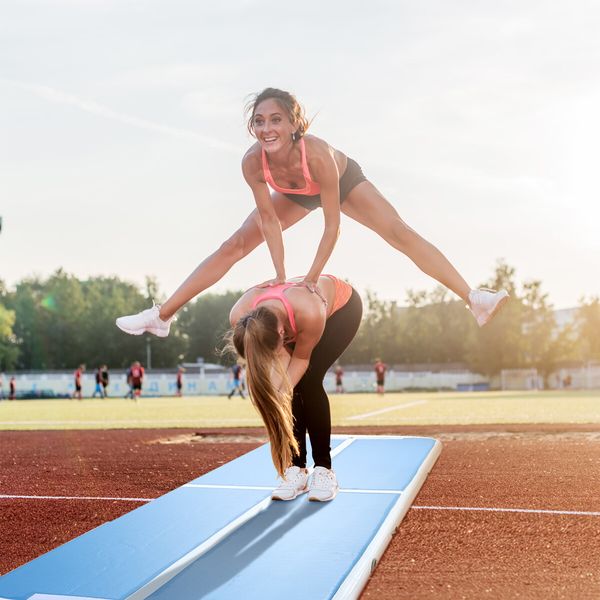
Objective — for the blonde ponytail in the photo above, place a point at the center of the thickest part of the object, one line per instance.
(255, 338)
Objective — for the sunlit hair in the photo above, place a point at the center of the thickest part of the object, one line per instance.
(256, 339)
(287, 101)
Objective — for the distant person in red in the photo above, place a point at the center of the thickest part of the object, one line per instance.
(180, 372)
(137, 378)
(78, 376)
(339, 381)
(380, 369)
(12, 388)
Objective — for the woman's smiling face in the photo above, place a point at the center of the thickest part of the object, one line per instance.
(272, 126)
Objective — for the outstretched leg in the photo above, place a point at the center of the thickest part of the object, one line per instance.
(240, 244)
(366, 205)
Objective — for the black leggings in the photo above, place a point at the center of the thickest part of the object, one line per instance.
(310, 404)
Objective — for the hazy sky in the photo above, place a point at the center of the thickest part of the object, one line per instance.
(122, 133)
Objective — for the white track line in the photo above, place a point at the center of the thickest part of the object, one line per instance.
(536, 511)
(210, 486)
(195, 422)
(388, 409)
(18, 497)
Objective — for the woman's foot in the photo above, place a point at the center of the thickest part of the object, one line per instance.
(485, 304)
(295, 482)
(323, 485)
(147, 320)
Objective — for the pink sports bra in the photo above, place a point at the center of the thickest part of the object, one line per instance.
(276, 293)
(343, 291)
(312, 188)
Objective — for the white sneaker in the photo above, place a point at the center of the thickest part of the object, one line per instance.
(323, 485)
(147, 320)
(295, 482)
(484, 304)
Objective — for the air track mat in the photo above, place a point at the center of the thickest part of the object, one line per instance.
(221, 536)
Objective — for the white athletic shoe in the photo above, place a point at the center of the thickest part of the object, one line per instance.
(147, 320)
(484, 304)
(323, 485)
(295, 482)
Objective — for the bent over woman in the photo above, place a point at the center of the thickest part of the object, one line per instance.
(289, 338)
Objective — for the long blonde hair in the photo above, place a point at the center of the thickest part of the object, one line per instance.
(255, 338)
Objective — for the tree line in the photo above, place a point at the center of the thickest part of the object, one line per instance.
(60, 321)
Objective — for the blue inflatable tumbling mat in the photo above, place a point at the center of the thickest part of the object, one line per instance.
(222, 537)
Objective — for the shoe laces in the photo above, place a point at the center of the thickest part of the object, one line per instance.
(290, 480)
(157, 307)
(323, 478)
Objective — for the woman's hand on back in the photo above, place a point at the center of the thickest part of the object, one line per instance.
(312, 287)
(272, 282)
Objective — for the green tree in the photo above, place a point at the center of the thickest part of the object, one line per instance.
(544, 346)
(8, 348)
(204, 323)
(62, 322)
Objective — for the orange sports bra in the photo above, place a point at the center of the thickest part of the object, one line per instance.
(342, 294)
(312, 188)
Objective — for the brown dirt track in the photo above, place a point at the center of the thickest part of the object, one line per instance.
(435, 553)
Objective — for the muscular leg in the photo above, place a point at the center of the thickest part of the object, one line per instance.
(241, 243)
(310, 405)
(367, 205)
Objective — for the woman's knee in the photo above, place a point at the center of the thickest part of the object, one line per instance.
(238, 245)
(310, 387)
(401, 235)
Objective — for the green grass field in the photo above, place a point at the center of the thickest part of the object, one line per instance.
(347, 410)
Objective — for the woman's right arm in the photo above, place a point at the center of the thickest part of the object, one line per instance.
(269, 222)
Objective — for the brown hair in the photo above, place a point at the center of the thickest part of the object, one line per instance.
(255, 338)
(287, 101)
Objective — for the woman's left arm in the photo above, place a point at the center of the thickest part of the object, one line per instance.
(325, 172)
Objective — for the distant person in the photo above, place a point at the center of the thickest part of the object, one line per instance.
(98, 389)
(129, 393)
(380, 368)
(104, 379)
(78, 378)
(137, 379)
(237, 373)
(339, 379)
(12, 388)
(179, 381)
(1, 386)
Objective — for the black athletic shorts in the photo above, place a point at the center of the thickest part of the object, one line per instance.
(352, 176)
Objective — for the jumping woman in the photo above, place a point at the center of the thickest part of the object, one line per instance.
(289, 338)
(290, 174)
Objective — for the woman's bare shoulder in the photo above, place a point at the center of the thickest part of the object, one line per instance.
(317, 144)
(320, 152)
(252, 162)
